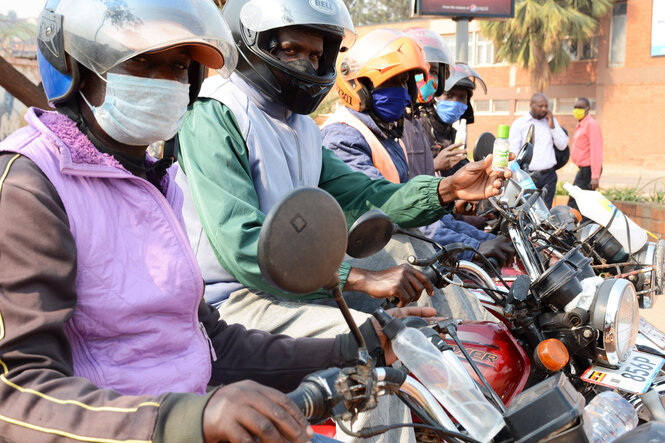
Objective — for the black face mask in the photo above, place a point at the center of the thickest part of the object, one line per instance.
(303, 66)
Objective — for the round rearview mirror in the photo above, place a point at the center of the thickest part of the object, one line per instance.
(369, 234)
(302, 241)
(524, 156)
(484, 146)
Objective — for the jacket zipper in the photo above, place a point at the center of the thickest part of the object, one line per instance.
(295, 136)
(213, 354)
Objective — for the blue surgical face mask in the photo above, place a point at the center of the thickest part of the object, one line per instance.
(426, 90)
(450, 111)
(390, 103)
(138, 111)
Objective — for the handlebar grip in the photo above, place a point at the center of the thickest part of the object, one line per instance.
(531, 200)
(394, 376)
(431, 274)
(494, 262)
(309, 398)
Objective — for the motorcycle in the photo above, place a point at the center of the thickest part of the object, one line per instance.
(558, 309)
(310, 222)
(562, 229)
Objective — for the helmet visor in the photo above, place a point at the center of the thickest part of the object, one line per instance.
(261, 15)
(436, 49)
(103, 34)
(464, 71)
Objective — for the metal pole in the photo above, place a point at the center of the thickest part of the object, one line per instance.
(462, 39)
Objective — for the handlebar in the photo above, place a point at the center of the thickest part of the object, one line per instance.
(332, 392)
(531, 200)
(310, 399)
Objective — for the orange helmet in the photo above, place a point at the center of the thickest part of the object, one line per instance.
(375, 58)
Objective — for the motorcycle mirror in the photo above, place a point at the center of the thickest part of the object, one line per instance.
(484, 146)
(369, 234)
(302, 241)
(520, 287)
(524, 156)
(531, 134)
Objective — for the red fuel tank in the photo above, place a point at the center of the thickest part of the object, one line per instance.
(497, 354)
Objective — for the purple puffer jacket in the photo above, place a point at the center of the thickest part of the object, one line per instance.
(135, 328)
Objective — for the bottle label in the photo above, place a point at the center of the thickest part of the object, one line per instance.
(501, 154)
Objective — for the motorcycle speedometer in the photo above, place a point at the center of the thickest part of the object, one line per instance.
(615, 312)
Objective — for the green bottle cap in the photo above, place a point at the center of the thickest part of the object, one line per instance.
(503, 131)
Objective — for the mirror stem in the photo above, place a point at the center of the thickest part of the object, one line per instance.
(398, 230)
(336, 293)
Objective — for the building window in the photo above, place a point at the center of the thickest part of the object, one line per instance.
(564, 105)
(481, 49)
(522, 106)
(618, 35)
(500, 106)
(451, 41)
(491, 106)
(481, 106)
(582, 51)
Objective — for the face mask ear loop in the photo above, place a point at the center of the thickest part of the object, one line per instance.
(85, 99)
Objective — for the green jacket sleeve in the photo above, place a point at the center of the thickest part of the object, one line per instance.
(214, 156)
(411, 204)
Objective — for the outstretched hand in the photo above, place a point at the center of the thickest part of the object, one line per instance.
(475, 181)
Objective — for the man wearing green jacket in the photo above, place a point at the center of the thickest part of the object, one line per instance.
(247, 142)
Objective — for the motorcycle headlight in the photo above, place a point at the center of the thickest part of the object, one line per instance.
(615, 312)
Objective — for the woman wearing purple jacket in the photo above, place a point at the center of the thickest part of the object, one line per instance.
(104, 335)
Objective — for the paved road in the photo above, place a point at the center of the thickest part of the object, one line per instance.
(621, 176)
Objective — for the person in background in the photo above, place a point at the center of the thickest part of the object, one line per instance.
(376, 143)
(418, 144)
(548, 136)
(437, 117)
(587, 149)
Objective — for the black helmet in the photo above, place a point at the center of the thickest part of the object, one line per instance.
(253, 24)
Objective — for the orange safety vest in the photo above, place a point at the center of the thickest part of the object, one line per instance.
(380, 157)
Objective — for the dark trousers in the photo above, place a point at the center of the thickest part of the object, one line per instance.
(582, 180)
(546, 181)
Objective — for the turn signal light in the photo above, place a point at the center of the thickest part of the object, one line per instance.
(577, 214)
(552, 354)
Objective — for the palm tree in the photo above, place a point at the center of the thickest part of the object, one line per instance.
(534, 38)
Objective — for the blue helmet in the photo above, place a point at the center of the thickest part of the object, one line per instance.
(100, 35)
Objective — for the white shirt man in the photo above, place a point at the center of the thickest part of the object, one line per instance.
(548, 135)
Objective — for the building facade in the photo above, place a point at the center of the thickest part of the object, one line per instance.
(615, 70)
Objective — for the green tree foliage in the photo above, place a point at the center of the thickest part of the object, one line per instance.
(534, 38)
(371, 12)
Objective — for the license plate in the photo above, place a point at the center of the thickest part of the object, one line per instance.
(652, 333)
(635, 374)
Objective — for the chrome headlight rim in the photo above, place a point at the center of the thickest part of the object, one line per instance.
(646, 257)
(605, 317)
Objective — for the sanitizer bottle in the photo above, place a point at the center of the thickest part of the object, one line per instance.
(501, 150)
(445, 377)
